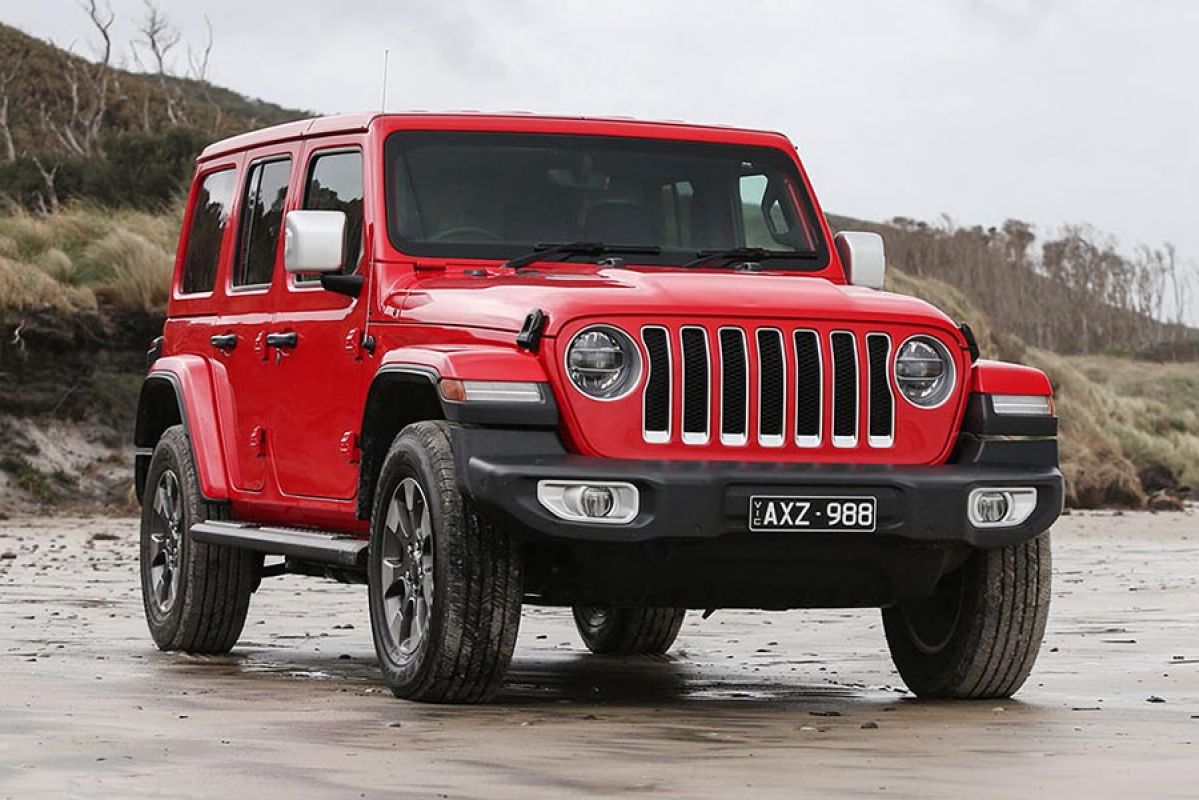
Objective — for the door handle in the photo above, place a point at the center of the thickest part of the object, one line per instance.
(282, 340)
(224, 341)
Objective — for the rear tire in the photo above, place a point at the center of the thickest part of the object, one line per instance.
(195, 595)
(978, 635)
(628, 631)
(445, 587)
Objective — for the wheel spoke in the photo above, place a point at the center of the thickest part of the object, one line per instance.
(160, 501)
(427, 577)
(420, 617)
(392, 522)
(391, 566)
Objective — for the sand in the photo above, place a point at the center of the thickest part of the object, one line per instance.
(749, 704)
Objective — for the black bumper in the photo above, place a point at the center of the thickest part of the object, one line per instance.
(499, 470)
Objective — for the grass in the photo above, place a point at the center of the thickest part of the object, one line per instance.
(44, 488)
(1118, 415)
(86, 257)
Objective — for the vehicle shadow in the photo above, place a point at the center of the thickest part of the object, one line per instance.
(548, 678)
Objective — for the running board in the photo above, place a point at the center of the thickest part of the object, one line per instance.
(333, 549)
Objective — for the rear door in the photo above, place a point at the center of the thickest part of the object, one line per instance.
(243, 362)
(319, 383)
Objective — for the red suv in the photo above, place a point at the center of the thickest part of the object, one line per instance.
(477, 361)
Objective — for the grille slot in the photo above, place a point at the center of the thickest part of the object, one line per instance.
(823, 388)
(734, 387)
(772, 388)
(697, 387)
(808, 389)
(881, 429)
(656, 411)
(845, 389)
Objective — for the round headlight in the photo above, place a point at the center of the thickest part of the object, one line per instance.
(924, 371)
(603, 362)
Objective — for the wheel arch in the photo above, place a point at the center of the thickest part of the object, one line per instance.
(178, 391)
(399, 395)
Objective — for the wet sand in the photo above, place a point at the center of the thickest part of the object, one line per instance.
(749, 703)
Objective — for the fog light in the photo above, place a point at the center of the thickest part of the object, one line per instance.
(990, 507)
(607, 502)
(1000, 507)
(596, 501)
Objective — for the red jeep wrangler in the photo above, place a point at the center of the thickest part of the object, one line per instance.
(476, 361)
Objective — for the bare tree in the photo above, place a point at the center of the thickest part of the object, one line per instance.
(75, 124)
(47, 201)
(11, 63)
(159, 38)
(198, 61)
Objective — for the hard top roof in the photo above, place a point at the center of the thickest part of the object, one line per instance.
(361, 122)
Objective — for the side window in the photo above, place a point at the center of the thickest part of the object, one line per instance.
(261, 219)
(209, 216)
(767, 221)
(753, 191)
(335, 184)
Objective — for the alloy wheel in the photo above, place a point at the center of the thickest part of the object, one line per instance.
(406, 570)
(166, 540)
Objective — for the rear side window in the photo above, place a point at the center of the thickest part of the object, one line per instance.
(209, 216)
(335, 184)
(261, 220)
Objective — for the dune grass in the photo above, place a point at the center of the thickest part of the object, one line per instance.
(86, 257)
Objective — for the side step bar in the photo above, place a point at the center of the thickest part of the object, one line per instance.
(332, 549)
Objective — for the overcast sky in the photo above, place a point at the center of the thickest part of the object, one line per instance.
(1052, 111)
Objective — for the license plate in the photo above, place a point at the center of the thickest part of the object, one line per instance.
(813, 514)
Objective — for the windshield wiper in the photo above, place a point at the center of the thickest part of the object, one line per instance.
(741, 255)
(544, 252)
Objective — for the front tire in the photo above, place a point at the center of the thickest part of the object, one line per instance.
(195, 595)
(978, 635)
(628, 631)
(445, 587)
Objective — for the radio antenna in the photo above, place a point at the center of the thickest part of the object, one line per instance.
(383, 98)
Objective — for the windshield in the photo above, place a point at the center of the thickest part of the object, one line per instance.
(499, 195)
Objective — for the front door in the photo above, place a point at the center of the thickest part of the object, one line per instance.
(320, 380)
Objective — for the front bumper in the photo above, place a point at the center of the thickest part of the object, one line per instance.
(499, 470)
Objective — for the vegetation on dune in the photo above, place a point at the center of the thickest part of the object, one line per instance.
(1129, 426)
(84, 257)
(1074, 292)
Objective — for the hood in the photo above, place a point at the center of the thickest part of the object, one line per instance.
(502, 301)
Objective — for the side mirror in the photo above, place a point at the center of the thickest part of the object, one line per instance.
(314, 241)
(863, 258)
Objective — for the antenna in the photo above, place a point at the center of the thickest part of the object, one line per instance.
(383, 99)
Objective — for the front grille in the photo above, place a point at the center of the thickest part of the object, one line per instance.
(770, 387)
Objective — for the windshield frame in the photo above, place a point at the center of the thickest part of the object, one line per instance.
(394, 146)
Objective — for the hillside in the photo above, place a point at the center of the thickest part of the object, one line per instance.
(71, 128)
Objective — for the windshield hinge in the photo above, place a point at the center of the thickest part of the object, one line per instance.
(529, 337)
(971, 342)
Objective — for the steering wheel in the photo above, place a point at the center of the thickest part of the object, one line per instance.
(470, 233)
